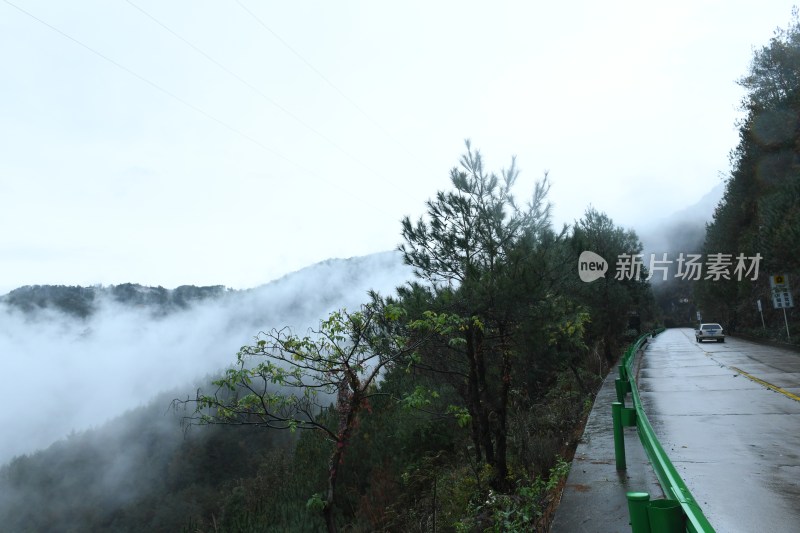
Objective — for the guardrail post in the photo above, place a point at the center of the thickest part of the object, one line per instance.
(623, 387)
(637, 509)
(619, 435)
(666, 516)
(628, 416)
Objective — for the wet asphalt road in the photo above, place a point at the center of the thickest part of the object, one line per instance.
(734, 441)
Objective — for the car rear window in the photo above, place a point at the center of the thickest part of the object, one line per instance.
(712, 326)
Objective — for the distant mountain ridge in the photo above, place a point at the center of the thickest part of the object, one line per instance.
(682, 231)
(83, 302)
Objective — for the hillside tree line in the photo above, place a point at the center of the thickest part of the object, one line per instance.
(760, 210)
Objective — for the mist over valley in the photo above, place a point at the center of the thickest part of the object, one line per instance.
(74, 363)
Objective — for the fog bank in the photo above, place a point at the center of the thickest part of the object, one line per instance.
(63, 373)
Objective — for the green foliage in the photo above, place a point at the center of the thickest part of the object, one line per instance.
(472, 231)
(759, 210)
(419, 397)
(780, 232)
(611, 300)
(463, 418)
(491, 267)
(446, 323)
(520, 511)
(569, 328)
(315, 503)
(284, 380)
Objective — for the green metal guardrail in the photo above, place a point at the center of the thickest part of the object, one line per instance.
(680, 511)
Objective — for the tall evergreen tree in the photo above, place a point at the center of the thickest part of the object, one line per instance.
(475, 252)
(613, 299)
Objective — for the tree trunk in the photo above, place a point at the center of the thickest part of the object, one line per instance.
(348, 405)
(333, 470)
(578, 379)
(501, 438)
(472, 408)
(499, 481)
(475, 351)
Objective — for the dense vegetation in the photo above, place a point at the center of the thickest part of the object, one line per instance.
(760, 212)
(451, 405)
(137, 473)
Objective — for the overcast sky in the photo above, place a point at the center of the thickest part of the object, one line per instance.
(227, 142)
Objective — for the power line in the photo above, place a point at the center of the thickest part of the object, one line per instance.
(320, 74)
(171, 94)
(252, 87)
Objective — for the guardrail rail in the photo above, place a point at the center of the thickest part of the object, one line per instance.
(679, 512)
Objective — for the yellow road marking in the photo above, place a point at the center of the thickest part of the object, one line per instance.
(767, 384)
